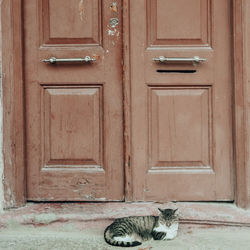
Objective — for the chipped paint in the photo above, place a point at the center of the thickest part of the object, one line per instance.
(92, 197)
(81, 9)
(113, 7)
(111, 32)
(100, 199)
(96, 57)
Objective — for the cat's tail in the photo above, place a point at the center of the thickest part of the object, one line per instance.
(119, 241)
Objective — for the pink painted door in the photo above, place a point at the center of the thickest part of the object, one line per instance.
(181, 110)
(74, 134)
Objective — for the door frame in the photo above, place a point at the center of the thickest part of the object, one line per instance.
(13, 103)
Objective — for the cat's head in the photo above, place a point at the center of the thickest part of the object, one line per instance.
(168, 216)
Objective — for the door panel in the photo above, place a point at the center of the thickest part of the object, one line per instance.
(170, 24)
(61, 124)
(83, 15)
(181, 112)
(171, 142)
(73, 110)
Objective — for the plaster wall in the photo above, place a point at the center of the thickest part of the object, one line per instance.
(1, 123)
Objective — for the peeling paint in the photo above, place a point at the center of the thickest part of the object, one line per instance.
(81, 9)
(89, 197)
(114, 7)
(111, 32)
(100, 199)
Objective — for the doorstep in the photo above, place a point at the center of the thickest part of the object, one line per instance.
(92, 214)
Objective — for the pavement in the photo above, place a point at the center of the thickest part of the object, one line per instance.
(203, 226)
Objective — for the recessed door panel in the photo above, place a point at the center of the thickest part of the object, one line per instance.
(70, 22)
(180, 128)
(169, 23)
(81, 129)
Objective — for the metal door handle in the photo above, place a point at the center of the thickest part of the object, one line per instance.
(54, 60)
(195, 59)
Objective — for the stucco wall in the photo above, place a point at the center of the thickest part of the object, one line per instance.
(1, 122)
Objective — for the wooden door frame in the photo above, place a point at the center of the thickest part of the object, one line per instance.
(13, 103)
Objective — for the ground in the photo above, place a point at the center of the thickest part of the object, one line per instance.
(203, 226)
(68, 237)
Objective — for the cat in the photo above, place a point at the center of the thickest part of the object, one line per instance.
(131, 231)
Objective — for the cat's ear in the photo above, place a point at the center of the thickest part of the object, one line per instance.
(161, 210)
(175, 210)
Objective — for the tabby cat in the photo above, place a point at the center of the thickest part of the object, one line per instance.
(131, 231)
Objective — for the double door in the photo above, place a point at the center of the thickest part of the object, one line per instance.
(181, 114)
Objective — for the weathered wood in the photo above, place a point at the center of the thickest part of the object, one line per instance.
(127, 101)
(241, 100)
(13, 118)
(14, 170)
(181, 123)
(74, 114)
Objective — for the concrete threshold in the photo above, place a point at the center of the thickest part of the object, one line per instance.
(90, 215)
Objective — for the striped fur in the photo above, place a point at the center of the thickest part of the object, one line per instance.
(131, 231)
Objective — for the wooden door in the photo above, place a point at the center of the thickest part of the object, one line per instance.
(74, 140)
(181, 111)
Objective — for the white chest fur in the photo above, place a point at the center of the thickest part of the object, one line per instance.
(171, 231)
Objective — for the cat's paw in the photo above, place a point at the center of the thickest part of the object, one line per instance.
(170, 236)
